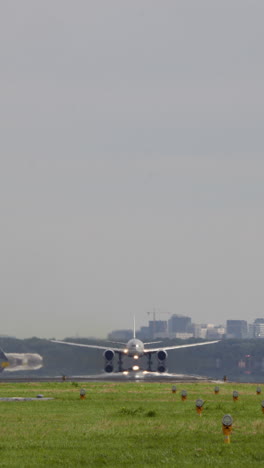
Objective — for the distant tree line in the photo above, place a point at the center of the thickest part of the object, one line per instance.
(237, 359)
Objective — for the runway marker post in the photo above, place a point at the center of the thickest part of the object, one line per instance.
(199, 406)
(227, 423)
(184, 395)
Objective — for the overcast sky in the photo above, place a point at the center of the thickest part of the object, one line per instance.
(132, 170)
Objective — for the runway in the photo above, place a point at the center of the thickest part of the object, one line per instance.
(113, 377)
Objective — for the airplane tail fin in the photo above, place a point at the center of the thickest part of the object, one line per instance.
(134, 334)
(3, 360)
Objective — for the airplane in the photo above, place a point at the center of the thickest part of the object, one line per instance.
(11, 362)
(135, 349)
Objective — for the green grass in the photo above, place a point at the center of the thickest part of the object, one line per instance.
(129, 424)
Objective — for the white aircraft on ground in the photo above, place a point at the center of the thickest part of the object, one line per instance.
(12, 362)
(135, 349)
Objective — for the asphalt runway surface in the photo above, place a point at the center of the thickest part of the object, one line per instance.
(113, 377)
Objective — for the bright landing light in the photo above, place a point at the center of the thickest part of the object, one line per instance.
(135, 368)
(136, 357)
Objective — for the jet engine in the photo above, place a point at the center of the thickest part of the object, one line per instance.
(162, 355)
(109, 354)
(109, 368)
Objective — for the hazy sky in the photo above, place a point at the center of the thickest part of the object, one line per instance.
(132, 170)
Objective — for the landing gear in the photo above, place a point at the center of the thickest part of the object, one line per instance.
(161, 364)
(120, 363)
(149, 363)
(109, 364)
(109, 356)
(162, 356)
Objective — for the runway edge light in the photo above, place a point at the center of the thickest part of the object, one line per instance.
(258, 390)
(235, 395)
(262, 406)
(216, 389)
(173, 389)
(82, 394)
(184, 395)
(199, 406)
(227, 423)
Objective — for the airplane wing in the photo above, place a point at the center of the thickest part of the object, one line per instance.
(118, 350)
(152, 342)
(167, 348)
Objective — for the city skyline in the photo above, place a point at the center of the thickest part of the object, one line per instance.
(180, 326)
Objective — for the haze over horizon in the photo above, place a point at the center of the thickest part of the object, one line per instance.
(132, 171)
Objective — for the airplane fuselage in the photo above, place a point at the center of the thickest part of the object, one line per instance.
(134, 348)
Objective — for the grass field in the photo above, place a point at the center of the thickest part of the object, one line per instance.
(129, 424)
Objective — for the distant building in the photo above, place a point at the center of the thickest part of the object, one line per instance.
(203, 333)
(158, 328)
(259, 328)
(259, 320)
(215, 332)
(183, 336)
(197, 330)
(236, 329)
(179, 324)
(221, 331)
(144, 334)
(251, 330)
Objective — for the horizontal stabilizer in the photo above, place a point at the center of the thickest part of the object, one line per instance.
(116, 342)
(84, 345)
(153, 342)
